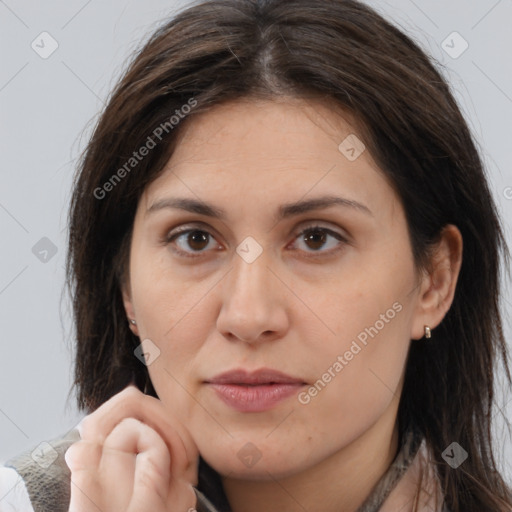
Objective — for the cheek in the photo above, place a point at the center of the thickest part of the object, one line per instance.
(162, 295)
(369, 298)
(365, 362)
(176, 317)
(356, 384)
(358, 367)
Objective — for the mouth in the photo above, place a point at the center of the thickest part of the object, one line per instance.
(256, 391)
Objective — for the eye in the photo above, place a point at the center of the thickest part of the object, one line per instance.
(315, 238)
(197, 240)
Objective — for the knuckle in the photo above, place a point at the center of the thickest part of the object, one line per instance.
(77, 449)
(82, 454)
(131, 392)
(87, 426)
(128, 424)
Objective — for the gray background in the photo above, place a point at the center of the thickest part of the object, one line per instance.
(46, 108)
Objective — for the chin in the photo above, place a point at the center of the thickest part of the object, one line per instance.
(257, 461)
(261, 471)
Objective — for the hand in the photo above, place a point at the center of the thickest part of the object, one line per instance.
(132, 457)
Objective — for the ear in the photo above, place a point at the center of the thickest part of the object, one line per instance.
(437, 285)
(128, 307)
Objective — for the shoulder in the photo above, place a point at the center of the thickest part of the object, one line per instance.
(45, 474)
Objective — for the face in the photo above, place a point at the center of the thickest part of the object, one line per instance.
(301, 265)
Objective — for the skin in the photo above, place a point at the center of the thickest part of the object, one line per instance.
(297, 307)
(124, 463)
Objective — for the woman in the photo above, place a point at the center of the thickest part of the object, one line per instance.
(284, 259)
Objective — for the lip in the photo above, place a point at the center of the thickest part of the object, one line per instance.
(261, 376)
(255, 391)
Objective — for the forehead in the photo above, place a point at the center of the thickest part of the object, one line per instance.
(286, 129)
(269, 150)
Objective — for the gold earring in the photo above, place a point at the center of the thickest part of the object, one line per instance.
(428, 332)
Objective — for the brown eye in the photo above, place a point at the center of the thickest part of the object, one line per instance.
(320, 240)
(197, 240)
(191, 242)
(315, 238)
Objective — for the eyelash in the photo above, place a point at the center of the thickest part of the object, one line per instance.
(170, 239)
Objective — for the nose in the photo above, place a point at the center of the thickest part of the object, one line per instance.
(253, 307)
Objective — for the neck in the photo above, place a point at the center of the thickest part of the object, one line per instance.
(340, 482)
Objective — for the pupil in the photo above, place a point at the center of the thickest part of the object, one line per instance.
(317, 238)
(196, 238)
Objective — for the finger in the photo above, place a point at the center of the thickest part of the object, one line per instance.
(181, 498)
(134, 437)
(83, 455)
(83, 459)
(149, 467)
(132, 403)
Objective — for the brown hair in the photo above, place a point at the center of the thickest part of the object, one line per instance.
(343, 52)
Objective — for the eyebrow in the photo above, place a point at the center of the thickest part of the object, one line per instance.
(285, 211)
